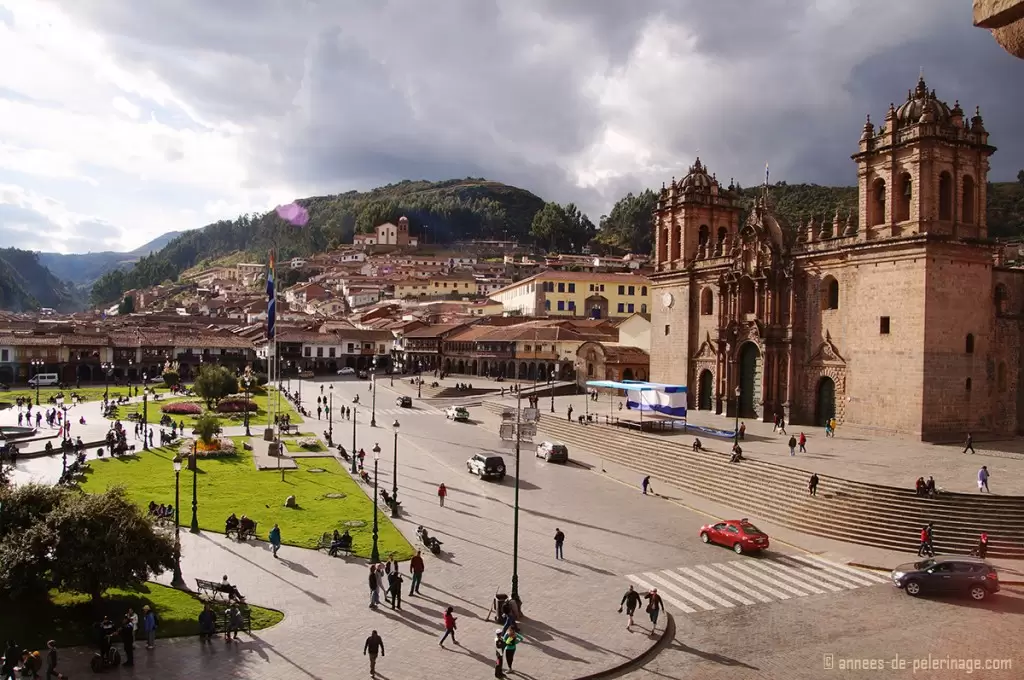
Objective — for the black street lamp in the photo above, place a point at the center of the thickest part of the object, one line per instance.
(374, 554)
(551, 384)
(38, 366)
(419, 381)
(107, 369)
(145, 414)
(355, 403)
(373, 390)
(736, 435)
(177, 581)
(299, 374)
(515, 516)
(195, 505)
(394, 473)
(330, 416)
(247, 382)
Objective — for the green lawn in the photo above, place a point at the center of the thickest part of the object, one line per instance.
(256, 419)
(69, 618)
(90, 393)
(233, 484)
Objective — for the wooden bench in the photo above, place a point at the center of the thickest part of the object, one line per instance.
(210, 590)
(240, 534)
(223, 621)
(327, 540)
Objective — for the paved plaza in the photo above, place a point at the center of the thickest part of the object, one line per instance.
(775, 616)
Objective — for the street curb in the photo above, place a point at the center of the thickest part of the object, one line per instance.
(667, 635)
(872, 567)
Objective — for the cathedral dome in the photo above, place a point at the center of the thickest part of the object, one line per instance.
(922, 106)
(697, 179)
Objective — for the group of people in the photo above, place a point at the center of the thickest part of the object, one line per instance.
(631, 600)
(233, 620)
(341, 542)
(128, 632)
(925, 488)
(161, 511)
(242, 527)
(29, 663)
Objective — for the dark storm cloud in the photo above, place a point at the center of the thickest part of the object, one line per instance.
(348, 94)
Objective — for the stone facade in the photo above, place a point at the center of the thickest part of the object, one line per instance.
(901, 319)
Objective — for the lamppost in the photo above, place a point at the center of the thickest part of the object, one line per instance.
(145, 414)
(107, 369)
(374, 554)
(38, 366)
(551, 385)
(373, 390)
(394, 473)
(177, 581)
(330, 415)
(298, 374)
(515, 516)
(247, 381)
(195, 472)
(355, 403)
(419, 381)
(736, 435)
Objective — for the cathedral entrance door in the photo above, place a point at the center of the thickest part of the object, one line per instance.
(750, 380)
(704, 390)
(825, 407)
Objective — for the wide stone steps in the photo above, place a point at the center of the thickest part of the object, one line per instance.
(858, 512)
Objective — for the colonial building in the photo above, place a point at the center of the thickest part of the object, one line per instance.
(900, 319)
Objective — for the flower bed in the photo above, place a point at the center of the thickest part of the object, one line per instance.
(309, 443)
(221, 446)
(182, 408)
(235, 405)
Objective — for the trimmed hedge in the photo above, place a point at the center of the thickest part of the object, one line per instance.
(182, 408)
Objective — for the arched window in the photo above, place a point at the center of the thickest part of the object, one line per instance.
(703, 234)
(878, 202)
(968, 200)
(1000, 298)
(945, 196)
(707, 302)
(903, 198)
(1001, 376)
(722, 234)
(747, 297)
(547, 305)
(829, 293)
(643, 309)
(967, 385)
(643, 290)
(970, 343)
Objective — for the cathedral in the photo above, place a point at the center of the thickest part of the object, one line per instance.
(902, 319)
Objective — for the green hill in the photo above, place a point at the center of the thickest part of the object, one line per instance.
(27, 285)
(438, 212)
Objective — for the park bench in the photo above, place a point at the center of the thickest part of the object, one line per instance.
(327, 540)
(210, 590)
(222, 620)
(240, 534)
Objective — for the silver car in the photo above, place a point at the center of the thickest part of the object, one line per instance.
(552, 452)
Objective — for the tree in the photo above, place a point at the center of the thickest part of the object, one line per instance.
(629, 225)
(104, 541)
(561, 228)
(214, 383)
(127, 305)
(207, 427)
(171, 378)
(1020, 177)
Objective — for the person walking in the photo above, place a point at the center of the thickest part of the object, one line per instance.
(275, 539)
(382, 582)
(782, 425)
(742, 431)
(775, 423)
(654, 607)
(416, 568)
(631, 600)
(832, 425)
(812, 486)
(149, 626)
(923, 548)
(569, 413)
(792, 446)
(802, 441)
(559, 541)
(449, 626)
(983, 479)
(319, 412)
(442, 491)
(374, 594)
(646, 485)
(373, 646)
(133, 618)
(499, 653)
(395, 586)
(969, 443)
(982, 548)
(51, 662)
(207, 624)
(127, 634)
(512, 640)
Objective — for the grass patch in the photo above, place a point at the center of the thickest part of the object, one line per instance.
(233, 484)
(69, 618)
(258, 418)
(91, 393)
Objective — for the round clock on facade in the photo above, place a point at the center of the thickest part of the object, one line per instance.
(667, 299)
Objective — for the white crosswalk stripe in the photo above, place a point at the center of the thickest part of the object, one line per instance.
(749, 581)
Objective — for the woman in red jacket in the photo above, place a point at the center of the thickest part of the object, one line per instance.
(449, 626)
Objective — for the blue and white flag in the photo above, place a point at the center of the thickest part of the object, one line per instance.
(271, 299)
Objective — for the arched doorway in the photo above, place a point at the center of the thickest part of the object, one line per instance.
(825, 407)
(704, 390)
(84, 373)
(750, 381)
(627, 374)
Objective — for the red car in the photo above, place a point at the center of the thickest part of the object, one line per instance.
(738, 534)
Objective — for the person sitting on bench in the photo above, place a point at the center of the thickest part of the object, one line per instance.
(232, 592)
(697, 446)
(246, 527)
(230, 524)
(737, 454)
(152, 507)
(340, 542)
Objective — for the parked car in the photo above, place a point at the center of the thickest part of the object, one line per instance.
(404, 402)
(348, 370)
(738, 534)
(363, 375)
(954, 574)
(457, 413)
(485, 466)
(552, 452)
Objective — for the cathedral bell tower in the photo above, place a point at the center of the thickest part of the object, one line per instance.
(924, 171)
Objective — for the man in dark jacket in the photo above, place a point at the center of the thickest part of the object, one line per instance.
(374, 585)
(416, 566)
(632, 600)
(371, 647)
(207, 624)
(51, 662)
(11, 656)
(395, 586)
(128, 640)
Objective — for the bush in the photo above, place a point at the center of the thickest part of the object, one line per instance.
(236, 405)
(182, 408)
(261, 379)
(171, 378)
(207, 428)
(214, 383)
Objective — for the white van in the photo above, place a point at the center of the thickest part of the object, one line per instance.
(43, 380)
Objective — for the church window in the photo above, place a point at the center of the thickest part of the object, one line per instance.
(903, 198)
(1001, 376)
(967, 385)
(707, 302)
(703, 234)
(968, 200)
(1000, 299)
(830, 293)
(970, 343)
(722, 233)
(883, 325)
(945, 196)
(877, 206)
(746, 296)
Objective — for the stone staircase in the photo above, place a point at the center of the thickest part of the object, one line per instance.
(846, 510)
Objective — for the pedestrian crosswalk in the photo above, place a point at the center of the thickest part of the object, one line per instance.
(752, 580)
(399, 411)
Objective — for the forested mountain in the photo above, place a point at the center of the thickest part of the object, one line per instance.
(25, 284)
(82, 269)
(438, 212)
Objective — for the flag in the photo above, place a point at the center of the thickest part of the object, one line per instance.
(271, 299)
(766, 173)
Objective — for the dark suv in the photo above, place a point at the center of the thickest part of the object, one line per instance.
(953, 575)
(484, 466)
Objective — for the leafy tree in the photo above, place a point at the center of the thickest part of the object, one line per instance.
(629, 225)
(127, 305)
(207, 427)
(171, 378)
(560, 228)
(1020, 177)
(104, 541)
(214, 383)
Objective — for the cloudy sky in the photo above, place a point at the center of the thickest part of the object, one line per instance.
(123, 120)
